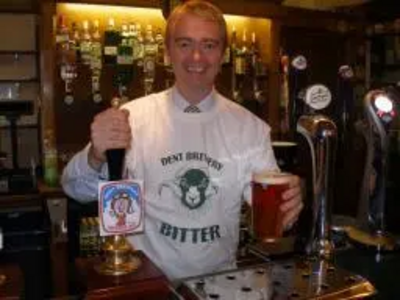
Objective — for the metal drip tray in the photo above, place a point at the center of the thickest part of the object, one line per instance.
(289, 279)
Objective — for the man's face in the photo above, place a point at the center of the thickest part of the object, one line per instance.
(195, 51)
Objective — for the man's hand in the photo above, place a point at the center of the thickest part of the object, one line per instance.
(109, 130)
(292, 204)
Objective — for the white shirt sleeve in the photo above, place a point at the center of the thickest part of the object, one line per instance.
(79, 180)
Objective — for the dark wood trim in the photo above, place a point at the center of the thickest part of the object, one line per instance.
(19, 11)
(19, 52)
(274, 82)
(261, 9)
(135, 3)
(9, 202)
(47, 64)
(20, 127)
(26, 80)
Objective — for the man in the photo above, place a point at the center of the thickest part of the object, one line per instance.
(195, 165)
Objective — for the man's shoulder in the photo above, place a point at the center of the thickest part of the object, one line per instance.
(147, 102)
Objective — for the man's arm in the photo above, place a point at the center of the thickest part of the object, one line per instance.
(110, 129)
(80, 180)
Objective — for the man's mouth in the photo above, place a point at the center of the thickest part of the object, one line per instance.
(195, 69)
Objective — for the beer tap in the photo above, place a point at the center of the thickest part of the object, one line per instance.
(344, 108)
(320, 132)
(297, 81)
(380, 113)
(118, 257)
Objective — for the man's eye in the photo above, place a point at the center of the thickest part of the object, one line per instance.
(183, 45)
(209, 46)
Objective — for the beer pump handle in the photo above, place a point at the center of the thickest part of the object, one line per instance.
(115, 157)
(297, 78)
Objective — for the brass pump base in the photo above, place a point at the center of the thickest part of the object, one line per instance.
(118, 257)
(382, 242)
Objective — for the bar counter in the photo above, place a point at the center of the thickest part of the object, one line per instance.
(41, 265)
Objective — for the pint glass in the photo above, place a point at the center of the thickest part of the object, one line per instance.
(267, 189)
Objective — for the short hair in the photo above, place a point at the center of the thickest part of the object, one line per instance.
(202, 9)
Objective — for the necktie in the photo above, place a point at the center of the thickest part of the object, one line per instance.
(192, 109)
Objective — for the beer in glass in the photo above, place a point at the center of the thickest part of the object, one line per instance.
(267, 189)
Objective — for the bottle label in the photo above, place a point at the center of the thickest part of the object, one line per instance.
(110, 50)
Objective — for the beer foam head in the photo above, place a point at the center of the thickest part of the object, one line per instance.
(275, 178)
(283, 144)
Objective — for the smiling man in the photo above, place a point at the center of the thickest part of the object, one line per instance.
(194, 149)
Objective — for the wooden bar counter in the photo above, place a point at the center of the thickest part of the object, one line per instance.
(147, 282)
(51, 268)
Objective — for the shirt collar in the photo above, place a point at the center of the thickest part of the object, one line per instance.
(181, 103)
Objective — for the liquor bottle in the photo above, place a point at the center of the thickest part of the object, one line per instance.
(96, 47)
(253, 57)
(133, 40)
(62, 32)
(112, 39)
(140, 46)
(124, 63)
(149, 59)
(67, 57)
(62, 40)
(96, 62)
(233, 49)
(50, 159)
(233, 46)
(74, 43)
(229, 48)
(86, 44)
(242, 56)
(125, 51)
(161, 57)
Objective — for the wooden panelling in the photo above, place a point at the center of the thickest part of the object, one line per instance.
(18, 67)
(18, 32)
(18, 5)
(47, 65)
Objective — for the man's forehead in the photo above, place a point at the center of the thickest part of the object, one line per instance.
(187, 21)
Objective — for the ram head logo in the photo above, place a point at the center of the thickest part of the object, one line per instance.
(193, 188)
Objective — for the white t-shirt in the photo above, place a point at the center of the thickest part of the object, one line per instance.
(195, 168)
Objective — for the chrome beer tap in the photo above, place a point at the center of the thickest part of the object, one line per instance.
(380, 113)
(321, 135)
(320, 132)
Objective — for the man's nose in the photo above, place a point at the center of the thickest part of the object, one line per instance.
(196, 53)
